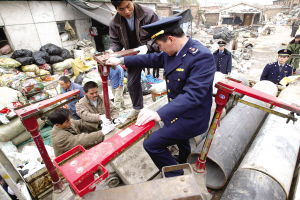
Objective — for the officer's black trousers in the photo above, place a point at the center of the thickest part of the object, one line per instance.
(135, 87)
(156, 146)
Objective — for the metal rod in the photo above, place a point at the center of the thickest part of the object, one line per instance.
(267, 109)
(31, 125)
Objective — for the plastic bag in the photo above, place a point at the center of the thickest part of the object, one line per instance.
(61, 66)
(51, 49)
(21, 53)
(10, 96)
(42, 72)
(79, 66)
(30, 74)
(40, 57)
(7, 80)
(55, 59)
(25, 60)
(45, 67)
(39, 97)
(9, 63)
(7, 71)
(31, 86)
(30, 68)
(65, 54)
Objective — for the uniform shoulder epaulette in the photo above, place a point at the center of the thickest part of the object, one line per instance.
(193, 50)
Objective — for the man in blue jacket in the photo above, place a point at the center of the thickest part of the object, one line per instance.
(189, 71)
(66, 86)
(223, 58)
(278, 70)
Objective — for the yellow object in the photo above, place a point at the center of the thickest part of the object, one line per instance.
(30, 68)
(9, 62)
(125, 80)
(289, 79)
(179, 69)
(157, 34)
(79, 66)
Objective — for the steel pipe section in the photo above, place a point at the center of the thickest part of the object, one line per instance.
(273, 152)
(232, 137)
(252, 185)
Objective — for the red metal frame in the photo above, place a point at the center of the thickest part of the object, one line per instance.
(225, 88)
(28, 116)
(83, 169)
(104, 72)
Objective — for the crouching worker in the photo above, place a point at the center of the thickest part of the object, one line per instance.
(68, 133)
(91, 109)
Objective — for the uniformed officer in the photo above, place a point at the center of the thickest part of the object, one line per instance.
(278, 70)
(223, 58)
(189, 71)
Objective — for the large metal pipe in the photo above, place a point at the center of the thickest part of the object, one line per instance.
(273, 153)
(296, 195)
(232, 137)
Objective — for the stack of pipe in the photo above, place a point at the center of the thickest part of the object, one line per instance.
(266, 171)
(236, 130)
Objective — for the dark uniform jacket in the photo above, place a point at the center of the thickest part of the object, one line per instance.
(223, 61)
(65, 139)
(118, 34)
(272, 72)
(189, 77)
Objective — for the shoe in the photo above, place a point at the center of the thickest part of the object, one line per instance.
(133, 115)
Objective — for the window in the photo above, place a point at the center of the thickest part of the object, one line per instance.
(5, 48)
(67, 30)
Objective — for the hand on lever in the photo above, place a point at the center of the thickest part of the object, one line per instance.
(113, 61)
(146, 116)
(142, 49)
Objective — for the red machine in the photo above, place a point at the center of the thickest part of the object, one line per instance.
(104, 72)
(87, 169)
(225, 89)
(29, 116)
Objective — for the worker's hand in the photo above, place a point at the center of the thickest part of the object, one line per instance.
(113, 61)
(142, 49)
(146, 116)
(66, 106)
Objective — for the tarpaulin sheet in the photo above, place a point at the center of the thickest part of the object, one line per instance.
(94, 11)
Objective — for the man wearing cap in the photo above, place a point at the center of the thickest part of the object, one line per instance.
(278, 70)
(189, 72)
(125, 32)
(223, 58)
(294, 47)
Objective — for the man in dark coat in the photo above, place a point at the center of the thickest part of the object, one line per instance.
(189, 71)
(125, 32)
(278, 70)
(223, 58)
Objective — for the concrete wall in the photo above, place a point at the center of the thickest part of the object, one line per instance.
(212, 18)
(163, 11)
(31, 24)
